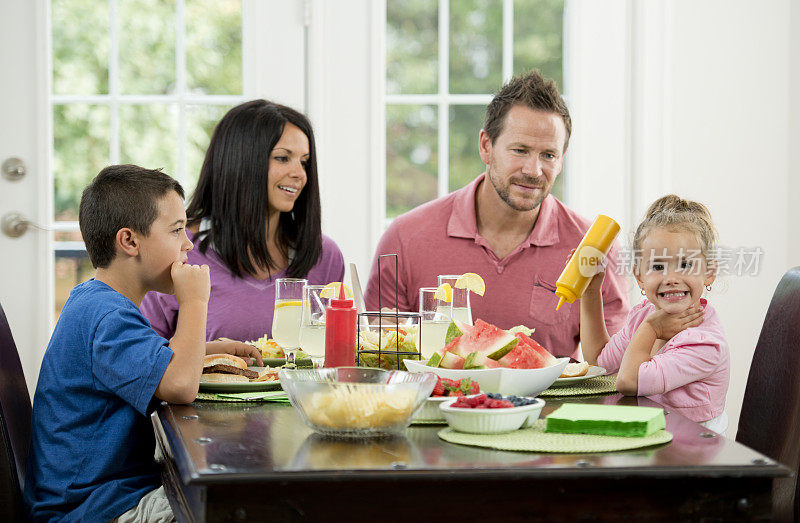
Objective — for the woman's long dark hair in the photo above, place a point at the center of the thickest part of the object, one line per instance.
(232, 192)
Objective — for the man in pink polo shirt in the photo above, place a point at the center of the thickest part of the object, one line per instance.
(505, 225)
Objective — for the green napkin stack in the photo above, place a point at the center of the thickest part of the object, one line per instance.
(608, 420)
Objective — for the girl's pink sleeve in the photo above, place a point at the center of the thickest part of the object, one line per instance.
(694, 359)
(611, 355)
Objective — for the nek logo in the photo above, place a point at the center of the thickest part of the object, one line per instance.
(590, 261)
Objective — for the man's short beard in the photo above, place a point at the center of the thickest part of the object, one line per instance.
(505, 195)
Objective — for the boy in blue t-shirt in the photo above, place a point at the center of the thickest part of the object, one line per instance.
(92, 444)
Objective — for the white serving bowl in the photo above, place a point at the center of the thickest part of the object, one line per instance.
(430, 409)
(491, 421)
(509, 382)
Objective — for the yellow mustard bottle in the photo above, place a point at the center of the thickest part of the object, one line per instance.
(583, 265)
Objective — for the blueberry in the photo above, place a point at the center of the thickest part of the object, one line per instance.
(494, 395)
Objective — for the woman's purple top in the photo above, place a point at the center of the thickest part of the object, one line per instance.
(239, 308)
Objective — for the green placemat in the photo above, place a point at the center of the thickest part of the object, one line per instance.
(598, 385)
(429, 422)
(535, 439)
(277, 397)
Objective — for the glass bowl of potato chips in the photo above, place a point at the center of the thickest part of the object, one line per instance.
(356, 401)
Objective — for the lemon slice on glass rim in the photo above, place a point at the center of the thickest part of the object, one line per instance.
(472, 282)
(288, 303)
(332, 291)
(444, 293)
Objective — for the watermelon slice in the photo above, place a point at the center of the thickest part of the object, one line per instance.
(485, 338)
(477, 360)
(527, 354)
(456, 329)
(434, 360)
(548, 357)
(452, 361)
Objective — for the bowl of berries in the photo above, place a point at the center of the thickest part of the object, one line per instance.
(491, 413)
(444, 390)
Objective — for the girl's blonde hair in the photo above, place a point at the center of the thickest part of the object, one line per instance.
(676, 214)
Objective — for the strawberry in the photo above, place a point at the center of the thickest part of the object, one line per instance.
(475, 388)
(457, 393)
(438, 389)
(461, 403)
(475, 401)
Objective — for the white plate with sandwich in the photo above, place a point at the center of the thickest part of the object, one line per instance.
(576, 372)
(228, 373)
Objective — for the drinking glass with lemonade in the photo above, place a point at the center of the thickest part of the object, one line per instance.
(287, 315)
(460, 305)
(312, 323)
(435, 308)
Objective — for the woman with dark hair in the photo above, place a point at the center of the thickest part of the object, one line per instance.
(253, 217)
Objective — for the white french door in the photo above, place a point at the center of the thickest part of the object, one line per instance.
(147, 88)
(24, 262)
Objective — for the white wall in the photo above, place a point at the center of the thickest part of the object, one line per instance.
(341, 88)
(711, 117)
(793, 188)
(730, 149)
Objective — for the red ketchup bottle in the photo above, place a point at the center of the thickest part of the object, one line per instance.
(340, 332)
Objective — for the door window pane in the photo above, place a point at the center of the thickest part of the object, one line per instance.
(412, 46)
(146, 46)
(476, 46)
(539, 37)
(200, 123)
(154, 102)
(214, 46)
(481, 55)
(465, 160)
(411, 157)
(67, 236)
(80, 46)
(71, 268)
(147, 136)
(80, 150)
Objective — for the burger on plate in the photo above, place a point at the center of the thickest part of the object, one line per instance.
(226, 368)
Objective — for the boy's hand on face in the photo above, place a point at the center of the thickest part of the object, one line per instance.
(191, 282)
(666, 325)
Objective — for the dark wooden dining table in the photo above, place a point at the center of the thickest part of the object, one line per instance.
(258, 462)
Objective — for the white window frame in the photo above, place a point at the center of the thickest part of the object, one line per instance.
(266, 25)
(114, 100)
(443, 99)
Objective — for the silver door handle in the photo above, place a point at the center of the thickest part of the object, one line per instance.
(14, 225)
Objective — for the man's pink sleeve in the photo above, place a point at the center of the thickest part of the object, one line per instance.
(389, 244)
(679, 366)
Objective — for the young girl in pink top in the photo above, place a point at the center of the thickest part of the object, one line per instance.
(672, 347)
